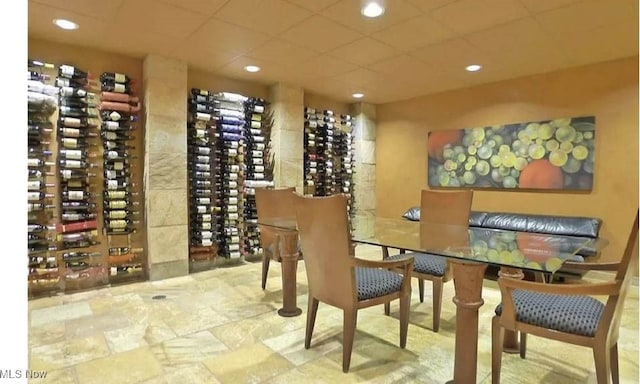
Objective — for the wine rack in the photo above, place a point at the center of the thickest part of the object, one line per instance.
(259, 168)
(318, 167)
(344, 160)
(78, 118)
(43, 276)
(310, 169)
(119, 109)
(328, 154)
(202, 210)
(228, 156)
(82, 213)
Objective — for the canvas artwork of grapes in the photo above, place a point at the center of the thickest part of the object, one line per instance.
(553, 154)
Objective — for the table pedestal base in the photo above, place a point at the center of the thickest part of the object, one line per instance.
(289, 265)
(467, 279)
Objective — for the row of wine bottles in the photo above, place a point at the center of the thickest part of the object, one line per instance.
(69, 205)
(229, 155)
(328, 154)
(43, 265)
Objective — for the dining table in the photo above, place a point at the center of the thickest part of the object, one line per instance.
(469, 250)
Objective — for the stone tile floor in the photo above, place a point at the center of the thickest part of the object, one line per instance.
(218, 326)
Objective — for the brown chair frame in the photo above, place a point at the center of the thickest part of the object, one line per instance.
(451, 208)
(605, 341)
(330, 267)
(273, 203)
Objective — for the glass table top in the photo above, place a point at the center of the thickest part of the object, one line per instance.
(530, 251)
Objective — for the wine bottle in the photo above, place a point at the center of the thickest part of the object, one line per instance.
(37, 130)
(114, 77)
(39, 228)
(38, 163)
(77, 206)
(122, 174)
(115, 145)
(63, 82)
(75, 164)
(75, 154)
(120, 224)
(78, 122)
(34, 142)
(37, 185)
(76, 195)
(76, 183)
(119, 204)
(112, 86)
(116, 195)
(76, 256)
(73, 174)
(72, 72)
(117, 155)
(119, 214)
(74, 143)
(76, 93)
(78, 112)
(35, 207)
(117, 136)
(33, 196)
(79, 244)
(117, 165)
(37, 76)
(77, 216)
(75, 133)
(113, 184)
(117, 116)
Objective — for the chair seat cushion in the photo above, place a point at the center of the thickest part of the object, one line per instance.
(425, 263)
(578, 315)
(374, 282)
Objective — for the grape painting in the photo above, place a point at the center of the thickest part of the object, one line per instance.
(553, 154)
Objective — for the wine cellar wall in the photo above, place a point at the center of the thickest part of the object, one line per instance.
(229, 155)
(84, 179)
(328, 154)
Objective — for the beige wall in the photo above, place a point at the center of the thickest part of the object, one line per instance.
(314, 100)
(607, 90)
(212, 82)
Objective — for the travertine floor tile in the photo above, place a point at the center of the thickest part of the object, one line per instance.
(219, 326)
(59, 313)
(122, 368)
(67, 353)
(188, 350)
(248, 365)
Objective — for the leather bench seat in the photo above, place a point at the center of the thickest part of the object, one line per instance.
(580, 227)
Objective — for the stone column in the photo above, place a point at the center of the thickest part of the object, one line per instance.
(165, 164)
(287, 104)
(364, 179)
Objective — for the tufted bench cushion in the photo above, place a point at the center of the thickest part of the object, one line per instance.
(587, 227)
(374, 282)
(578, 315)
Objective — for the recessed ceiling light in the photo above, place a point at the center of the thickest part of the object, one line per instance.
(252, 68)
(372, 9)
(358, 95)
(473, 67)
(65, 24)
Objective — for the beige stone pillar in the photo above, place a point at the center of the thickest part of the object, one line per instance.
(287, 104)
(165, 164)
(364, 179)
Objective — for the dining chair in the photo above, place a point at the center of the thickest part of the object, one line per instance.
(273, 203)
(447, 208)
(568, 313)
(337, 278)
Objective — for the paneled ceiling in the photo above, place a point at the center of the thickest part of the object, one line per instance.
(417, 47)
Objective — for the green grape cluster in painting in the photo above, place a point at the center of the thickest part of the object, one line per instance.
(553, 154)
